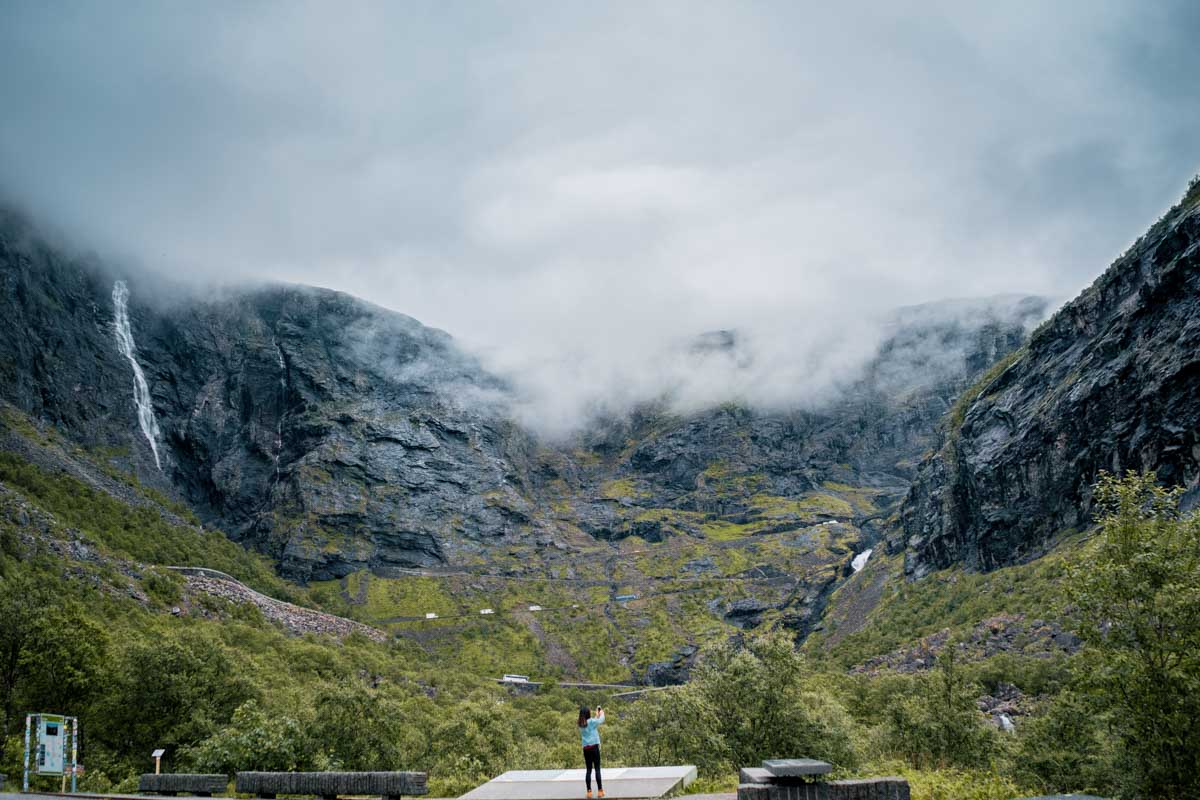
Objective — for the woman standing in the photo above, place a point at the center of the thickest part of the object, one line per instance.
(590, 736)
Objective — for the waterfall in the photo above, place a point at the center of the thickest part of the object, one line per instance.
(282, 400)
(860, 560)
(141, 390)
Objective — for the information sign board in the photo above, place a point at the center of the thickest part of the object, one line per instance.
(52, 745)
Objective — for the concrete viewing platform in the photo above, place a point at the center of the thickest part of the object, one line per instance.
(620, 783)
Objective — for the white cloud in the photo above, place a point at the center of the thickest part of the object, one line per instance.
(572, 188)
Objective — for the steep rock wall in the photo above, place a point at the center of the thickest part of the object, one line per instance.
(1111, 382)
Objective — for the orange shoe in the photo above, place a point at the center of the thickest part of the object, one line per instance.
(589, 794)
(602, 793)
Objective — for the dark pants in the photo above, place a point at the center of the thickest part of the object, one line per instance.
(591, 757)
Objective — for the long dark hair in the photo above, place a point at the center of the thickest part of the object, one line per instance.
(584, 715)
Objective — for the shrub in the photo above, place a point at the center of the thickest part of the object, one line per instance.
(940, 725)
(1139, 598)
(1063, 748)
(254, 740)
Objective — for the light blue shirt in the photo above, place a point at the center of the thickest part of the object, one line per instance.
(589, 733)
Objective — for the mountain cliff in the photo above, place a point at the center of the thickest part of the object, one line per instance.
(1109, 383)
(336, 436)
(326, 432)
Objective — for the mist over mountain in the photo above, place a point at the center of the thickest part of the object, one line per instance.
(353, 356)
(334, 434)
(557, 191)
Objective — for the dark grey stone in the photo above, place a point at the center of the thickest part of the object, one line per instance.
(753, 791)
(796, 767)
(332, 784)
(1107, 383)
(754, 775)
(869, 789)
(203, 785)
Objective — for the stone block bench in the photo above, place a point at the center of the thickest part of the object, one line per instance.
(797, 779)
(198, 785)
(329, 785)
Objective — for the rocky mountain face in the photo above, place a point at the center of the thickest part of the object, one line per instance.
(329, 433)
(1111, 382)
(743, 465)
(58, 360)
(333, 434)
(337, 436)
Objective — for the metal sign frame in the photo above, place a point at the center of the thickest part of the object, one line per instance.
(70, 727)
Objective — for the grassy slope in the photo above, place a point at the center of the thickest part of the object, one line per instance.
(440, 665)
(877, 612)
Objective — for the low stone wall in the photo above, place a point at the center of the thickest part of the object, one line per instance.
(332, 784)
(183, 783)
(861, 789)
(802, 779)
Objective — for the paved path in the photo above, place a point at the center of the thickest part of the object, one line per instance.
(568, 784)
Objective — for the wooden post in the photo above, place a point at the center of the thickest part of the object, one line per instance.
(74, 754)
(66, 733)
(25, 773)
(157, 763)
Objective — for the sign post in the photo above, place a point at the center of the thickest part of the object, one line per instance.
(52, 756)
(157, 756)
(74, 754)
(25, 774)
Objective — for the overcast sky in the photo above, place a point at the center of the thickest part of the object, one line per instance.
(579, 182)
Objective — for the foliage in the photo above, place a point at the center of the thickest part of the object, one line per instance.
(365, 730)
(745, 704)
(1139, 598)
(233, 692)
(136, 532)
(171, 692)
(939, 726)
(254, 740)
(22, 603)
(677, 726)
(959, 784)
(165, 586)
(1065, 747)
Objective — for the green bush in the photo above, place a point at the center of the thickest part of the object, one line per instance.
(960, 784)
(744, 704)
(170, 692)
(1064, 748)
(939, 726)
(164, 586)
(254, 740)
(1139, 598)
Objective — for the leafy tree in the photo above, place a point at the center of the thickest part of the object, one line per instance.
(171, 692)
(475, 738)
(1138, 596)
(254, 740)
(940, 725)
(65, 671)
(24, 603)
(363, 729)
(1063, 748)
(676, 726)
(745, 703)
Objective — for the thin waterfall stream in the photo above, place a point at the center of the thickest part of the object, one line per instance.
(141, 390)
